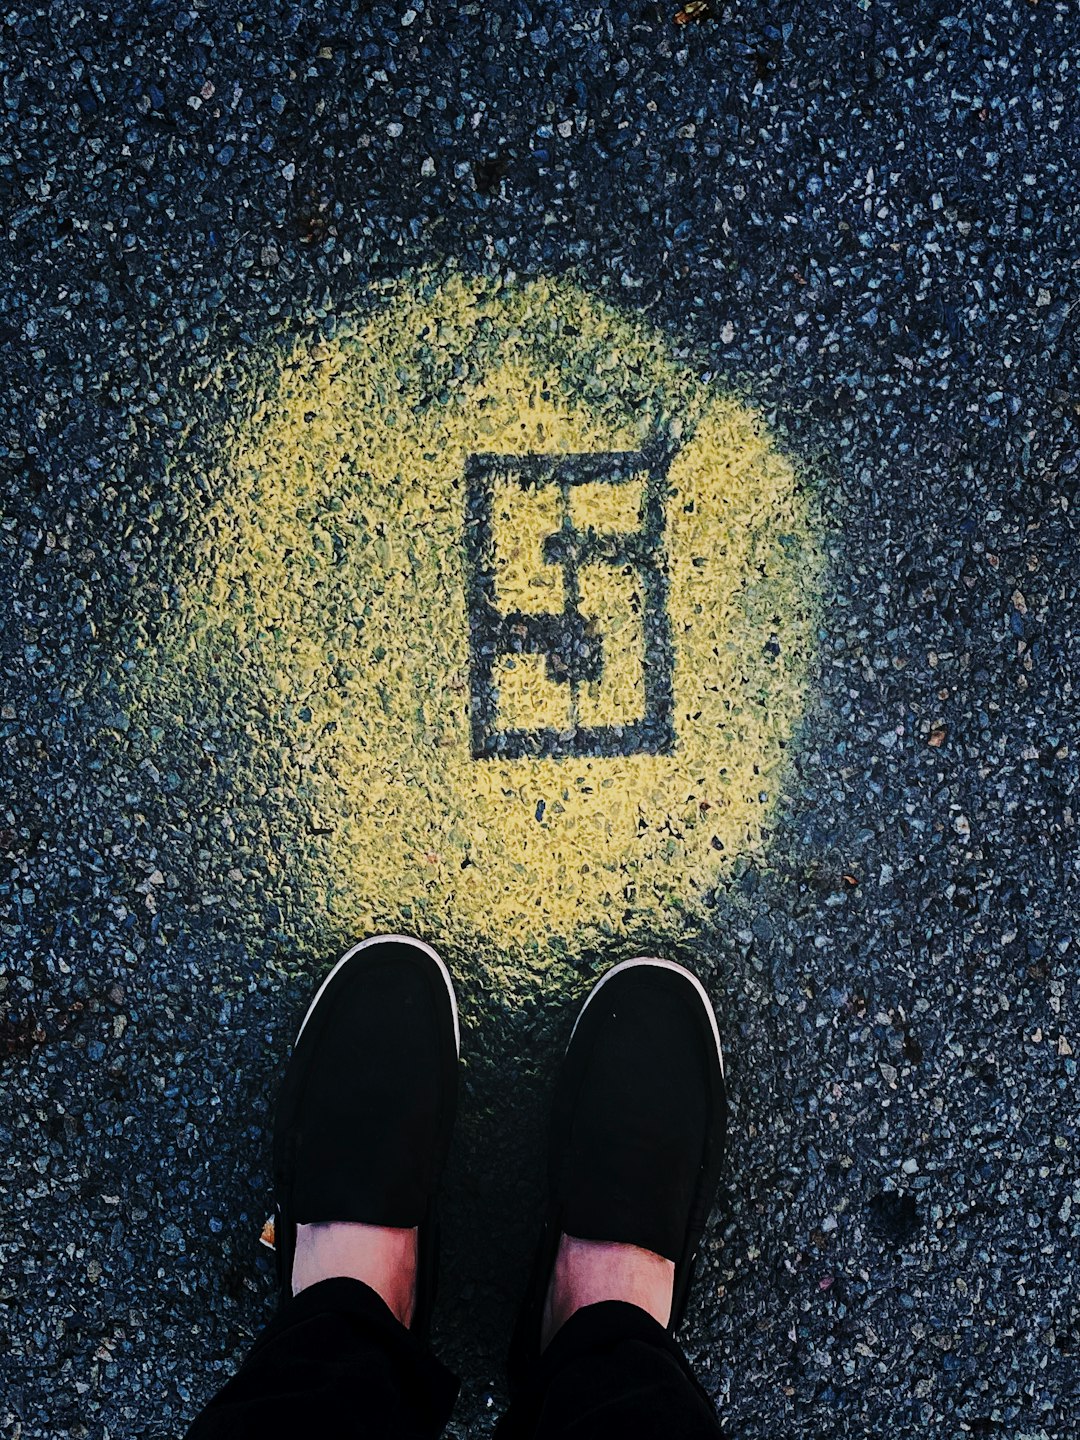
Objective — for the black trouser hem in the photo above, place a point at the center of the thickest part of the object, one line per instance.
(334, 1360)
(611, 1369)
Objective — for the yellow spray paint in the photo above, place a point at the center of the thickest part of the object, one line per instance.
(325, 612)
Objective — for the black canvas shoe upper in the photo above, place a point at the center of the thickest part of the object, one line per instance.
(637, 1129)
(366, 1108)
(639, 1099)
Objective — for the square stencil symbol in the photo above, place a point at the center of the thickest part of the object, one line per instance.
(550, 541)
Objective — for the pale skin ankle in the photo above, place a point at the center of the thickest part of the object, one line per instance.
(589, 1271)
(381, 1257)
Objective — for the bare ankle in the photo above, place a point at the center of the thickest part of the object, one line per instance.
(383, 1258)
(587, 1272)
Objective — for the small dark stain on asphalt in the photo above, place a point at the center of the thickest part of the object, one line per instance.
(912, 1049)
(894, 1216)
(489, 173)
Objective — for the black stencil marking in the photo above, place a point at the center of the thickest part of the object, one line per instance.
(573, 653)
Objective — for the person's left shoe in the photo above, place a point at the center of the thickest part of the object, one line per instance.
(637, 1135)
(366, 1108)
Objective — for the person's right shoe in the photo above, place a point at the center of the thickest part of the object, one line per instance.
(637, 1131)
(364, 1117)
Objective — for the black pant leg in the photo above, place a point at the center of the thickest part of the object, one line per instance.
(611, 1370)
(335, 1363)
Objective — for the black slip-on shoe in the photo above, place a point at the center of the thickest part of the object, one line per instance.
(366, 1109)
(637, 1131)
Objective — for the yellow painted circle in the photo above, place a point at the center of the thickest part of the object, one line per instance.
(350, 578)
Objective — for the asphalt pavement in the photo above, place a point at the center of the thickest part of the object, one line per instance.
(860, 216)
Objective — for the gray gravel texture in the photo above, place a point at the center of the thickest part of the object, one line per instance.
(866, 215)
